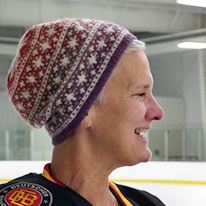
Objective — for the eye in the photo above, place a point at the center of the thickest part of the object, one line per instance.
(141, 96)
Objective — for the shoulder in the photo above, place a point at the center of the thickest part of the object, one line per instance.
(34, 189)
(25, 190)
(140, 197)
(19, 179)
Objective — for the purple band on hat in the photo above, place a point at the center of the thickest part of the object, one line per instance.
(60, 69)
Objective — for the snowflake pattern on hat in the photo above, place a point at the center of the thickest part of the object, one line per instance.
(59, 70)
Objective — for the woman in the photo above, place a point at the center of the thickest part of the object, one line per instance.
(89, 83)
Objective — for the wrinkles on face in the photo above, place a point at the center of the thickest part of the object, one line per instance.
(128, 106)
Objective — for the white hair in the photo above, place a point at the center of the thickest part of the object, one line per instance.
(135, 45)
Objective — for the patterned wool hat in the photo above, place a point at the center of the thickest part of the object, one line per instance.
(59, 70)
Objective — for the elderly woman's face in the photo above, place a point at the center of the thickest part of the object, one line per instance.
(119, 122)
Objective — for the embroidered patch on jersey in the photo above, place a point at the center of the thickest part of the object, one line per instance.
(25, 194)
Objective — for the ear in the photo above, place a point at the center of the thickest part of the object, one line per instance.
(87, 121)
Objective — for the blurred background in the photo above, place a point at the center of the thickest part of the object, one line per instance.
(179, 73)
(175, 34)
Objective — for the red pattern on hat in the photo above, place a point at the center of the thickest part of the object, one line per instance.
(59, 70)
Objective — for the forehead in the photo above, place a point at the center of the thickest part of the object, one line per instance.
(133, 69)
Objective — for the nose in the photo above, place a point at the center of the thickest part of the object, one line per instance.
(154, 111)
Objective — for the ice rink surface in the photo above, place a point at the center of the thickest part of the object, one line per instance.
(175, 183)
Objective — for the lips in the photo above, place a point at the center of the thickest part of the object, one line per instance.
(141, 132)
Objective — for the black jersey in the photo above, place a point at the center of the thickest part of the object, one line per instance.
(42, 189)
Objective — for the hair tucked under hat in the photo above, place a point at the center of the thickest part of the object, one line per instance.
(59, 70)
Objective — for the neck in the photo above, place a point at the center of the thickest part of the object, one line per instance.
(76, 166)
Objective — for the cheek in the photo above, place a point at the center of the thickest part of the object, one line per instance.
(136, 111)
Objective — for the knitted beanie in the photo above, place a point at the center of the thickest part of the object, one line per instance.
(60, 68)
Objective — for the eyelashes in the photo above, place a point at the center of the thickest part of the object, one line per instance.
(141, 96)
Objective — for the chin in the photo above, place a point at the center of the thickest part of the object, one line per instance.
(133, 159)
(145, 157)
(139, 160)
(148, 157)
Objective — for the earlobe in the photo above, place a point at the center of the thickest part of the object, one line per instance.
(87, 121)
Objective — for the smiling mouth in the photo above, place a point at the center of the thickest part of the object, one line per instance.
(142, 132)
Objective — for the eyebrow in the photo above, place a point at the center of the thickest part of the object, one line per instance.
(140, 85)
(145, 86)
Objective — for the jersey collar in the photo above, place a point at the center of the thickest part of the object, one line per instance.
(113, 186)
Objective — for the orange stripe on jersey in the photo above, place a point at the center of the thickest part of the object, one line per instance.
(118, 192)
(47, 175)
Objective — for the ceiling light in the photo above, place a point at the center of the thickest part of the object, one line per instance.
(192, 45)
(200, 3)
